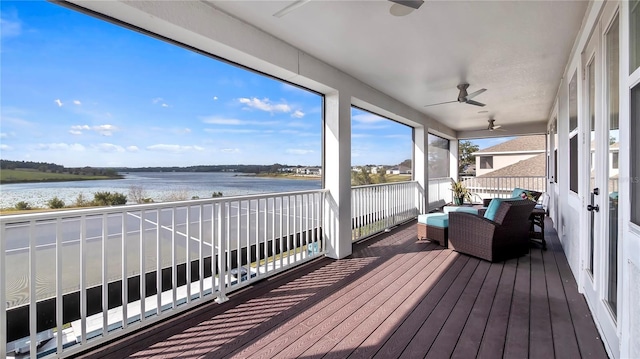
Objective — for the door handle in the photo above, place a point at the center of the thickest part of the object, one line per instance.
(591, 208)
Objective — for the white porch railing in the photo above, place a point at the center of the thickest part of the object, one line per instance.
(439, 192)
(72, 280)
(501, 187)
(375, 208)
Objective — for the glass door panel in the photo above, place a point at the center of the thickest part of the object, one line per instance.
(613, 105)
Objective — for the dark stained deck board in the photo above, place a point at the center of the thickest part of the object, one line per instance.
(564, 339)
(540, 336)
(403, 335)
(492, 345)
(517, 340)
(469, 341)
(448, 335)
(296, 328)
(589, 341)
(394, 296)
(346, 308)
(407, 295)
(426, 335)
(378, 337)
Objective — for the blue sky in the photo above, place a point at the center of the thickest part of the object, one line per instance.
(79, 91)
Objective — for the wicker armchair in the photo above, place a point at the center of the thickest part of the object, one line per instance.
(507, 236)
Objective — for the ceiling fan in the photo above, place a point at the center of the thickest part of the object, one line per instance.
(399, 7)
(492, 126)
(463, 97)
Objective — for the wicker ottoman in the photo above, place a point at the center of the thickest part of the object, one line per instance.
(434, 227)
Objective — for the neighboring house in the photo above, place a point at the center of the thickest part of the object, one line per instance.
(314, 171)
(508, 153)
(528, 173)
(399, 170)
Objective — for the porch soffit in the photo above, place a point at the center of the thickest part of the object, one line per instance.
(516, 49)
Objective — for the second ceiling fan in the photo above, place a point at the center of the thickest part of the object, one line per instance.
(464, 97)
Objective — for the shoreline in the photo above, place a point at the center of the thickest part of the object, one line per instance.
(283, 176)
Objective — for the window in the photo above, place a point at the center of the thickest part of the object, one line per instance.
(573, 133)
(635, 155)
(634, 35)
(573, 103)
(438, 153)
(486, 162)
(614, 160)
(573, 164)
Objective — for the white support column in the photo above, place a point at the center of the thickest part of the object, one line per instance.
(337, 174)
(421, 164)
(453, 159)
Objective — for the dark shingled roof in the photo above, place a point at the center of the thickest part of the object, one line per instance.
(534, 166)
(522, 143)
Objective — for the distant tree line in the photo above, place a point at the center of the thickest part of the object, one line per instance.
(55, 168)
(274, 168)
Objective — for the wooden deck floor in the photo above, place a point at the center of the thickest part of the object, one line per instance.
(394, 297)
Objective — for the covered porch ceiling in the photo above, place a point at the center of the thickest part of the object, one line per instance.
(517, 50)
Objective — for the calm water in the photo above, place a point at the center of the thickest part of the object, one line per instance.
(161, 186)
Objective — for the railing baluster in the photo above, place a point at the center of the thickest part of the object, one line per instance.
(143, 291)
(188, 252)
(200, 252)
(281, 235)
(125, 275)
(238, 244)
(265, 237)
(33, 315)
(59, 289)
(83, 281)
(158, 264)
(174, 260)
(3, 292)
(105, 276)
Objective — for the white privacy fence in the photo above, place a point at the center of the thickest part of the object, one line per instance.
(501, 187)
(72, 279)
(375, 208)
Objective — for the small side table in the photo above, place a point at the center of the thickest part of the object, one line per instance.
(537, 219)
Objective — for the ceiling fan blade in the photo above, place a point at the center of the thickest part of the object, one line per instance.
(476, 103)
(474, 94)
(440, 103)
(414, 4)
(289, 8)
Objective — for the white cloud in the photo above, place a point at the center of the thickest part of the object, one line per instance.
(182, 131)
(132, 149)
(58, 102)
(3, 135)
(4, 147)
(229, 130)
(297, 114)
(215, 98)
(159, 100)
(298, 151)
(77, 102)
(174, 148)
(214, 120)
(230, 150)
(222, 121)
(265, 105)
(360, 135)
(61, 147)
(10, 27)
(104, 130)
(367, 118)
(109, 147)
